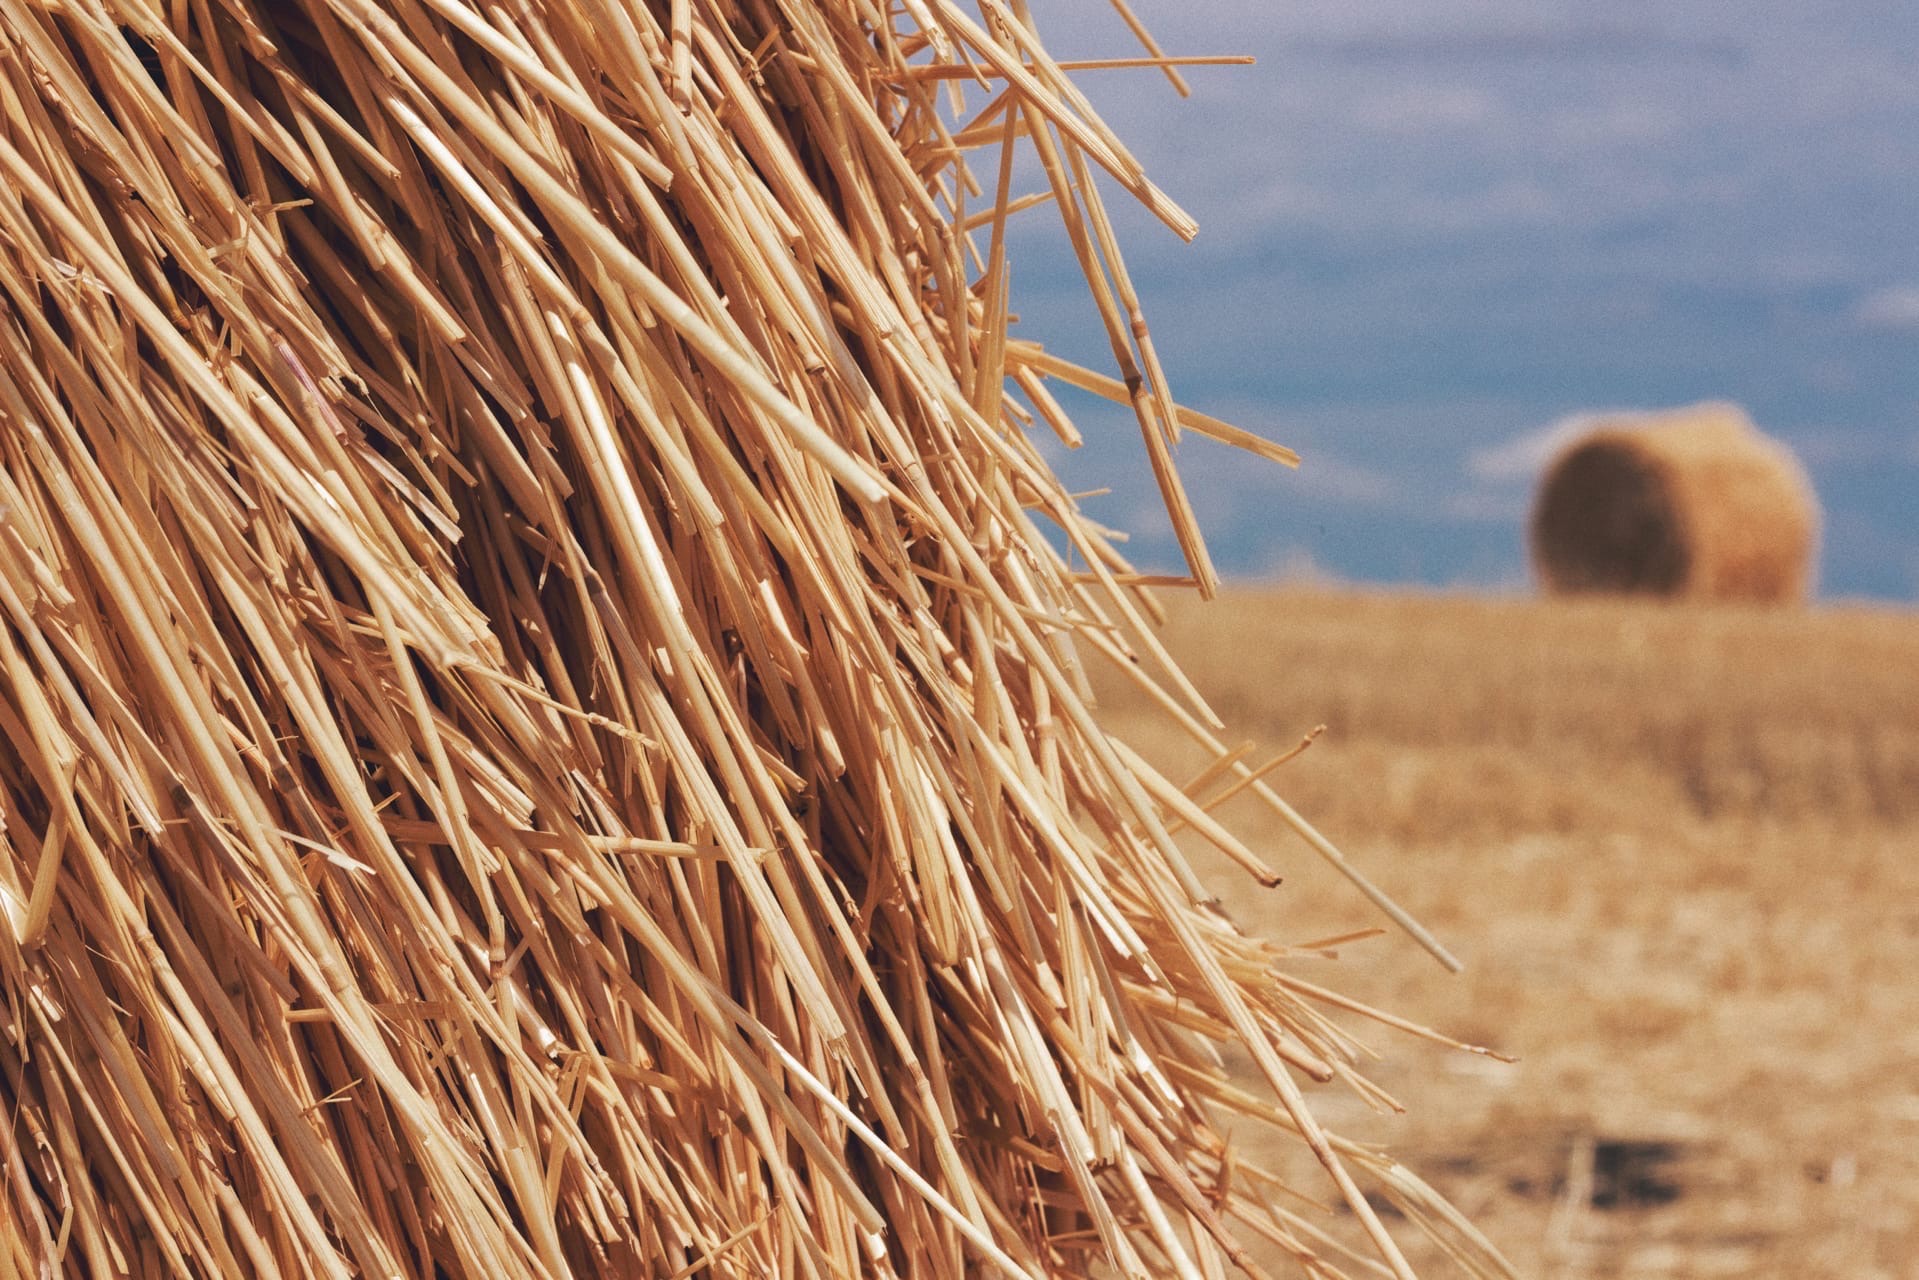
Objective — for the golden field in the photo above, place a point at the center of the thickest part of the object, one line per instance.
(1677, 848)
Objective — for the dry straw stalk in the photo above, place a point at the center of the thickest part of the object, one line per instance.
(541, 734)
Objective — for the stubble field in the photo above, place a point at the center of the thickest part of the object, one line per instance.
(1678, 850)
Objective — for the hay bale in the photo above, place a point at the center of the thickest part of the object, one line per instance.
(1692, 503)
(540, 733)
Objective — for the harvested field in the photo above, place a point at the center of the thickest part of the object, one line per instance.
(1674, 846)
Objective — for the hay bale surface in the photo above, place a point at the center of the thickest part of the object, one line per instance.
(540, 732)
(1693, 503)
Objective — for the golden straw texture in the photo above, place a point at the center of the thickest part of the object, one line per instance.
(540, 734)
(1691, 502)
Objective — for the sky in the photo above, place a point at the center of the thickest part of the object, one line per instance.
(1432, 235)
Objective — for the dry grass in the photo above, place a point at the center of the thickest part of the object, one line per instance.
(1674, 846)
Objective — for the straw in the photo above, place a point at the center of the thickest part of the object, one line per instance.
(541, 729)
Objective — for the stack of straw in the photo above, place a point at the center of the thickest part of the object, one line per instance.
(541, 735)
(1693, 503)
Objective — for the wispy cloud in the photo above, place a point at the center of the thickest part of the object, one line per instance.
(1502, 506)
(1834, 449)
(1523, 457)
(1423, 107)
(1519, 39)
(1892, 308)
(1341, 480)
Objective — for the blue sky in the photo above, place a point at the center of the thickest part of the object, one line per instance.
(1433, 233)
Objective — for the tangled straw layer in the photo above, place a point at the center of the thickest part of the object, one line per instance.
(544, 736)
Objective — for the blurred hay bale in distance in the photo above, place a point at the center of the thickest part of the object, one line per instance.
(1693, 503)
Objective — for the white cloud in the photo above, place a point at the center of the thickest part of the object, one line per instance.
(1524, 456)
(1290, 204)
(1422, 108)
(1295, 565)
(1514, 35)
(1836, 447)
(1896, 307)
(1325, 476)
(1486, 506)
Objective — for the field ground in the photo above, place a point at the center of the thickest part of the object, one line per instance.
(1677, 848)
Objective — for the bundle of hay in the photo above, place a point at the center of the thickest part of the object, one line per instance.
(1692, 502)
(539, 733)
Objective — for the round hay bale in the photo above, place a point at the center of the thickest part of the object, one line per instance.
(1694, 503)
